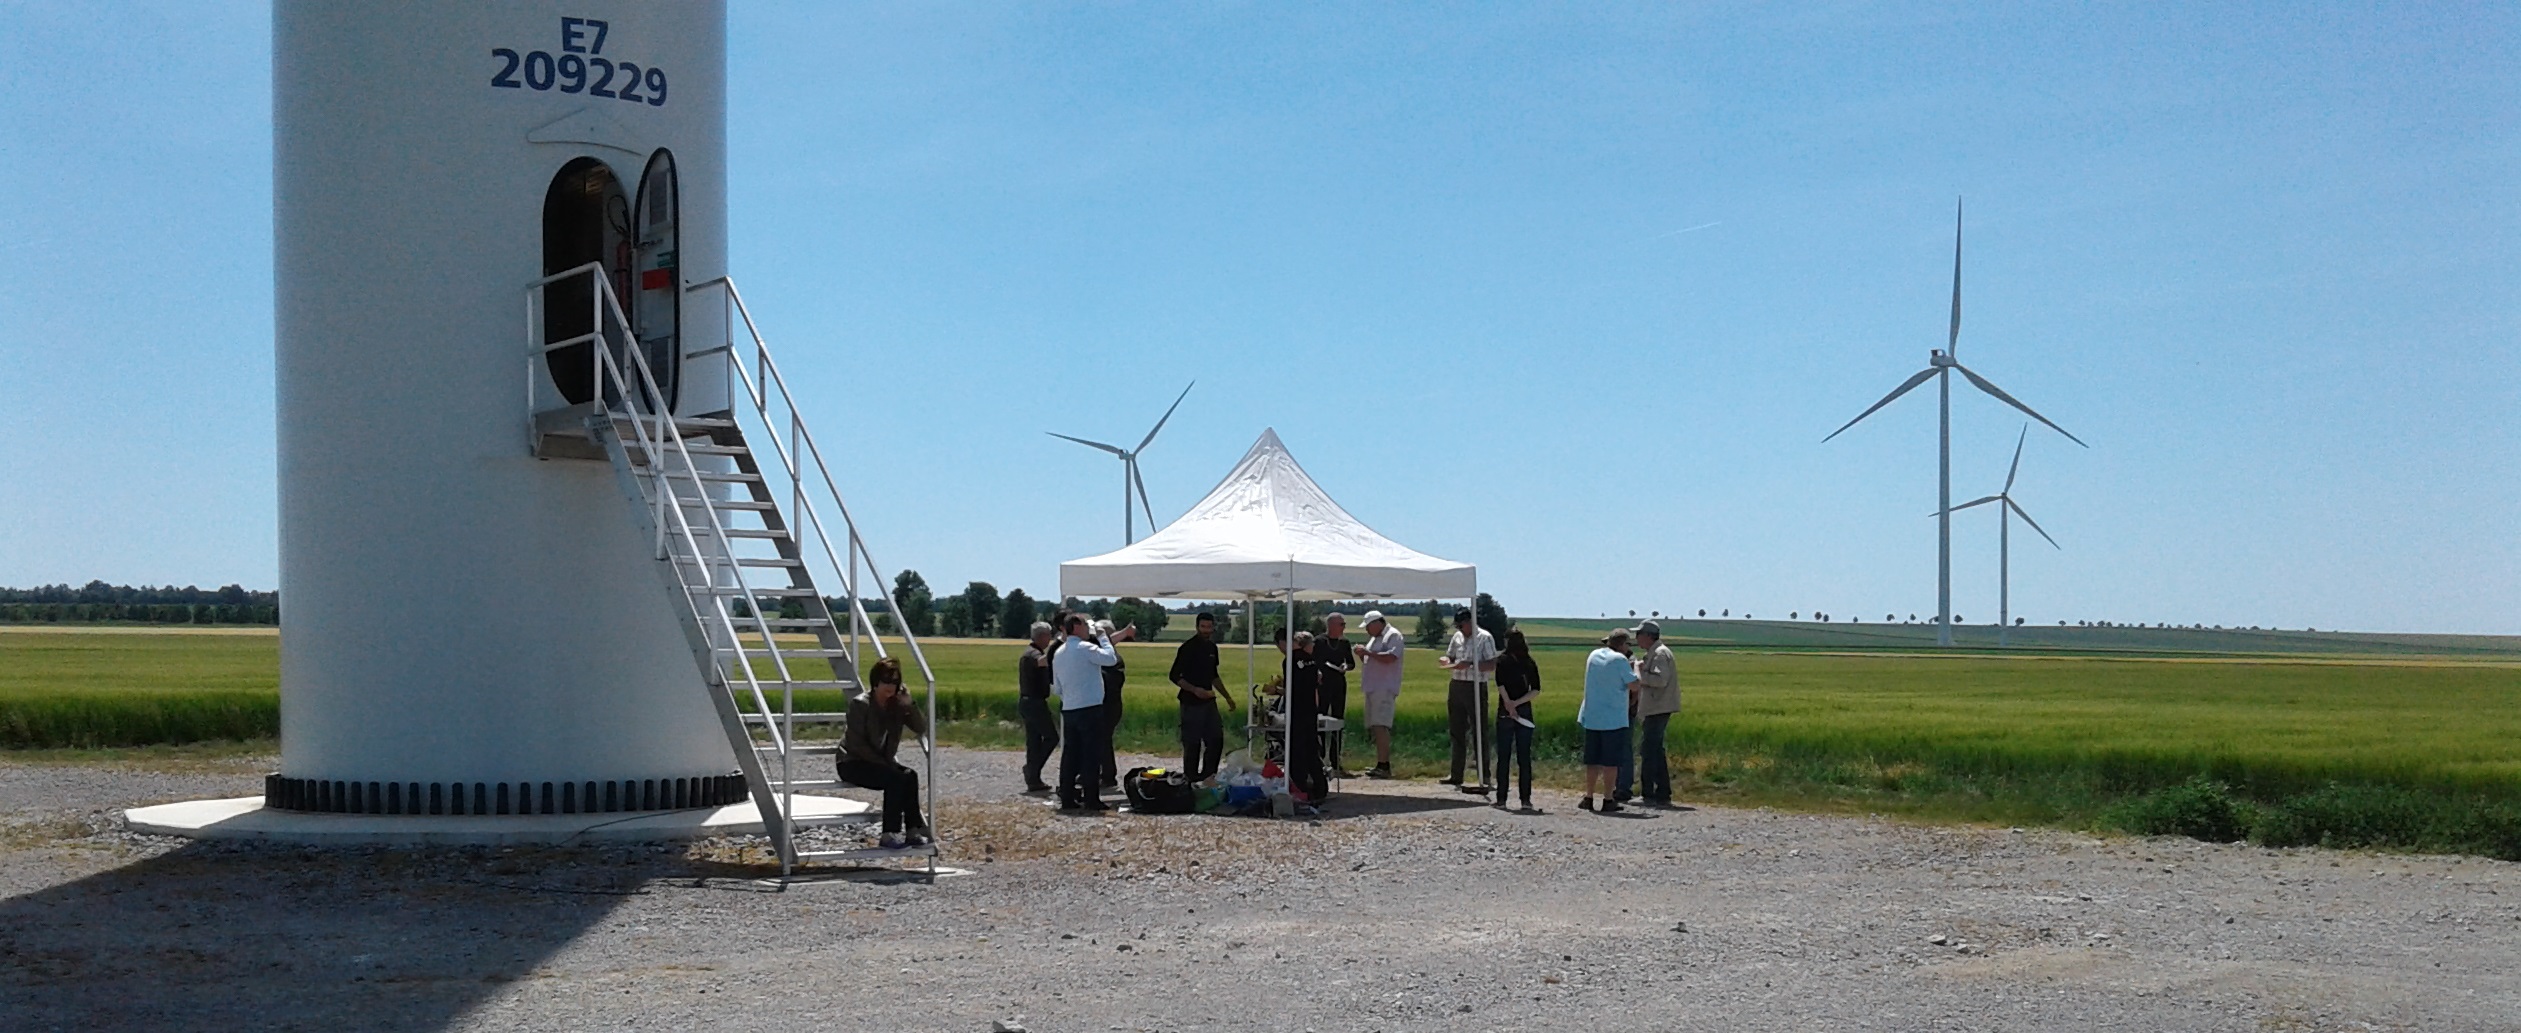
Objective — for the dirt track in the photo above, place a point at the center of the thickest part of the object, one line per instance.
(1412, 910)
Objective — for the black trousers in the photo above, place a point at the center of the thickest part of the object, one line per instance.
(1514, 745)
(1203, 739)
(1112, 710)
(900, 786)
(1081, 760)
(1041, 735)
(1461, 709)
(1335, 704)
(1304, 747)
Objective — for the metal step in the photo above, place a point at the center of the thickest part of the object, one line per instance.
(680, 422)
(804, 783)
(869, 854)
(773, 685)
(755, 532)
(738, 592)
(698, 448)
(801, 717)
(740, 561)
(715, 476)
(815, 653)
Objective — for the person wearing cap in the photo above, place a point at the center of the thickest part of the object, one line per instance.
(1336, 657)
(1658, 697)
(1604, 716)
(1472, 657)
(1032, 701)
(1113, 678)
(1379, 679)
(1194, 674)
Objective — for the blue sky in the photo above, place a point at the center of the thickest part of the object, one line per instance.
(1571, 291)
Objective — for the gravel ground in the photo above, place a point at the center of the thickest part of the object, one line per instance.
(1408, 908)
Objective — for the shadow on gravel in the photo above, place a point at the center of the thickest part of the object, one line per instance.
(1354, 804)
(233, 937)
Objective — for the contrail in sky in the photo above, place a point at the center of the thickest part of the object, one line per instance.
(1692, 229)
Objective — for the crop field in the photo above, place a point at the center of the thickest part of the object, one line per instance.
(2413, 750)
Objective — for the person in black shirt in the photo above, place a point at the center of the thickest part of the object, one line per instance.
(1518, 680)
(1195, 674)
(1032, 701)
(1113, 678)
(1304, 707)
(1332, 650)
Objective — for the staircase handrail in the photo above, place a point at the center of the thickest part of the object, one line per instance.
(657, 445)
(757, 391)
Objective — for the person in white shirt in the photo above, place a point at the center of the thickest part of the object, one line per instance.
(1379, 678)
(1472, 657)
(1076, 677)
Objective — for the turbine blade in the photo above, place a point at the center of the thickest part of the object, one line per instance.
(2035, 525)
(1952, 343)
(1974, 502)
(1140, 481)
(2001, 396)
(1113, 449)
(2017, 456)
(1168, 414)
(1911, 385)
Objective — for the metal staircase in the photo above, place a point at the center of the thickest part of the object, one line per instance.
(743, 567)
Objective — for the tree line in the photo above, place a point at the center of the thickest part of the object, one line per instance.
(97, 602)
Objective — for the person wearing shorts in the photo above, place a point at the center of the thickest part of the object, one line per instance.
(1379, 679)
(1604, 715)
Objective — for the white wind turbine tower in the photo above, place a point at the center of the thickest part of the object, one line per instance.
(1939, 366)
(1129, 469)
(2006, 510)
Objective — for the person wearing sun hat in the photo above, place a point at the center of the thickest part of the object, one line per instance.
(1379, 681)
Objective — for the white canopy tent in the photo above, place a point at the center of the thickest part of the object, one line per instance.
(1267, 531)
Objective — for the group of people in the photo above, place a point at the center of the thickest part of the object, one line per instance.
(1070, 678)
(1631, 692)
(1069, 685)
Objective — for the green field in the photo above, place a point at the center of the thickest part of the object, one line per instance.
(2419, 751)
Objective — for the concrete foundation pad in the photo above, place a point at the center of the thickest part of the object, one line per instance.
(245, 817)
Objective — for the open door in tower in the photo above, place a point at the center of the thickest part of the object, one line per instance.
(585, 219)
(657, 297)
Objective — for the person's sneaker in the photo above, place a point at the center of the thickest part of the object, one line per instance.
(889, 841)
(915, 837)
(1480, 790)
(1612, 807)
(1037, 789)
(1380, 771)
(1094, 807)
(1623, 796)
(1585, 804)
(1528, 808)
(1111, 783)
(1448, 781)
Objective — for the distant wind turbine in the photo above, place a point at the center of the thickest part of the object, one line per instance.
(1130, 481)
(1939, 366)
(2005, 512)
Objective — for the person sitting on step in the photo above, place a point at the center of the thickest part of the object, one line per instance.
(877, 715)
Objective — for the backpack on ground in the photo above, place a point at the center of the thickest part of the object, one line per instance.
(1158, 791)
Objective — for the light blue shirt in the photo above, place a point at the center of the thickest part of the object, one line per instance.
(1606, 679)
(1076, 674)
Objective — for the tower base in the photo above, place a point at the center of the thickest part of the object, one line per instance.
(245, 817)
